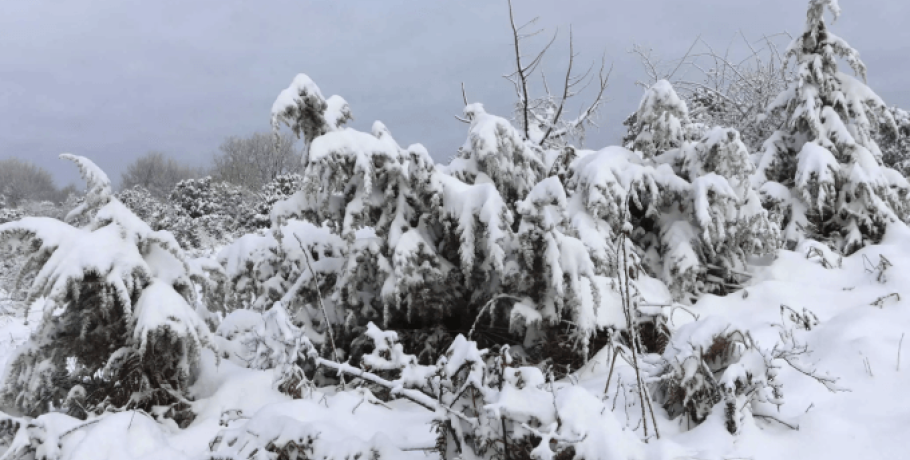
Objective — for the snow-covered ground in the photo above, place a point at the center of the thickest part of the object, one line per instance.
(857, 340)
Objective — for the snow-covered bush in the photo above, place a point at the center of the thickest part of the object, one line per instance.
(895, 145)
(825, 153)
(554, 270)
(708, 362)
(696, 235)
(661, 122)
(208, 212)
(118, 308)
(163, 214)
(688, 194)
(418, 244)
(495, 151)
(10, 214)
(279, 188)
(264, 269)
(482, 406)
(727, 210)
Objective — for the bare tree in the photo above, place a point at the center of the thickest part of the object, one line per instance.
(157, 173)
(543, 118)
(726, 87)
(254, 161)
(22, 181)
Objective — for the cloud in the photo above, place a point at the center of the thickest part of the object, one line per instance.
(112, 79)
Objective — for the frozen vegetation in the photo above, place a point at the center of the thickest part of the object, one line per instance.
(717, 287)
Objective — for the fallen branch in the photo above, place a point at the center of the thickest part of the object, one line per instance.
(879, 302)
(775, 419)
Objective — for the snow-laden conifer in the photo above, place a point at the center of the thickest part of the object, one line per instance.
(825, 153)
(118, 300)
(661, 122)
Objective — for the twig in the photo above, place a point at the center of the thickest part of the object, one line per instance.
(79, 427)
(627, 306)
(487, 305)
(610, 375)
(868, 366)
(899, 345)
(879, 302)
(775, 419)
(680, 307)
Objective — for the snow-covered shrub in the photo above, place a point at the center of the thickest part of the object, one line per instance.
(118, 301)
(495, 151)
(204, 197)
(494, 410)
(264, 269)
(143, 204)
(7, 215)
(280, 188)
(163, 214)
(418, 243)
(708, 362)
(661, 122)
(727, 210)
(554, 270)
(825, 153)
(688, 195)
(215, 210)
(895, 145)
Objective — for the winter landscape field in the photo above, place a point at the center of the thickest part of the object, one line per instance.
(727, 279)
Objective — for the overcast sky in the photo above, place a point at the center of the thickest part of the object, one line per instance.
(112, 79)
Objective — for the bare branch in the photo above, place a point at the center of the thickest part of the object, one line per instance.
(565, 91)
(521, 75)
(681, 61)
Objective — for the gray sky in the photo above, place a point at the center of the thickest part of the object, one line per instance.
(112, 79)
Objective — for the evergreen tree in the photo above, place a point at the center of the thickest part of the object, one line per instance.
(495, 151)
(825, 155)
(661, 122)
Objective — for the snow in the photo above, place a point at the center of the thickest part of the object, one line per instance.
(160, 306)
(461, 203)
(849, 331)
(799, 356)
(818, 165)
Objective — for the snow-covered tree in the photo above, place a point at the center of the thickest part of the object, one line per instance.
(496, 152)
(727, 86)
(118, 305)
(554, 270)
(727, 211)
(216, 210)
(825, 154)
(303, 108)
(895, 146)
(279, 188)
(420, 245)
(661, 122)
